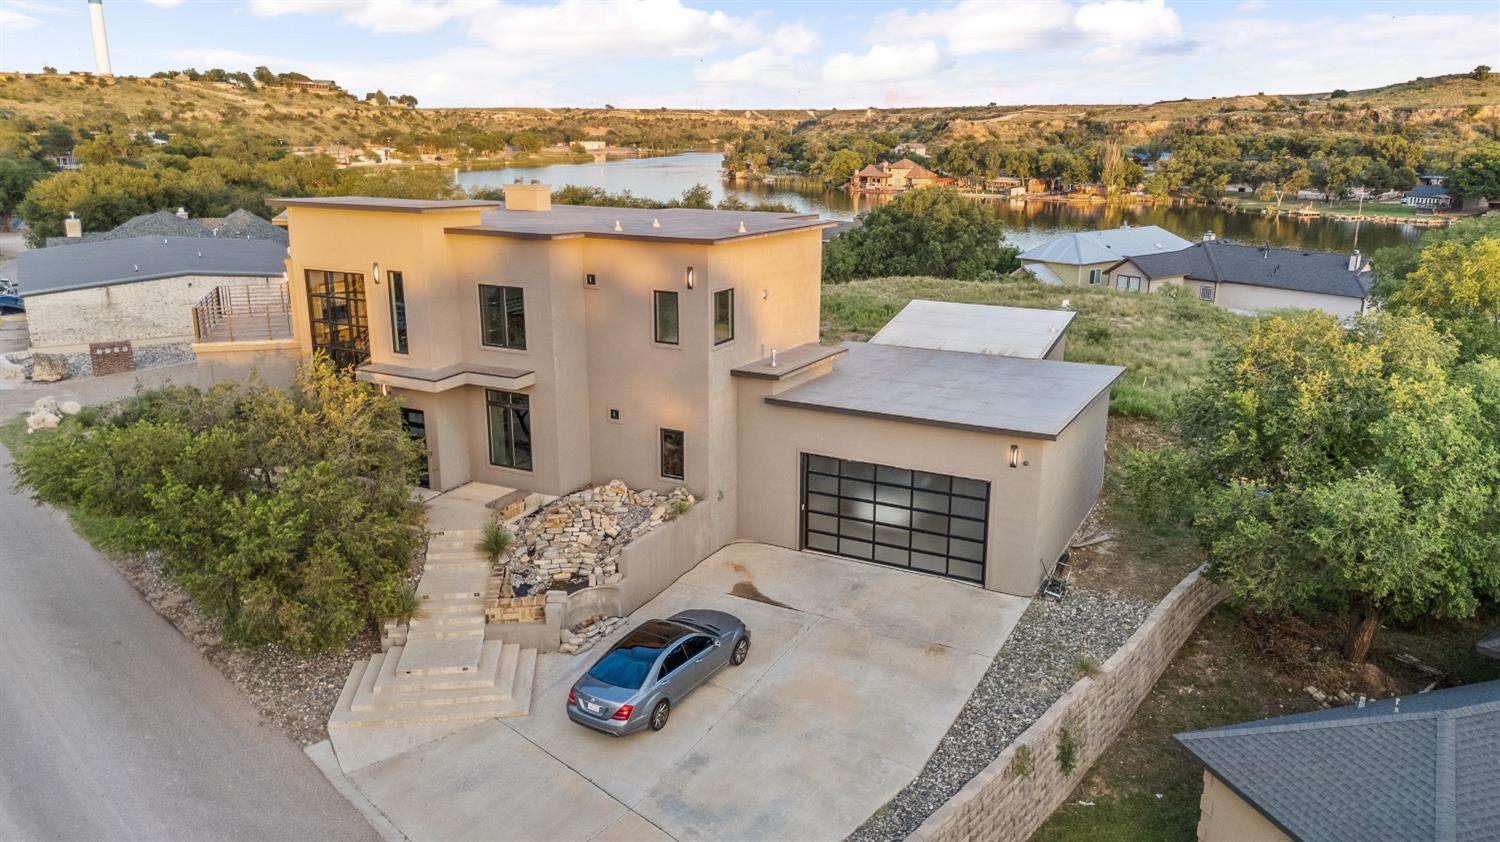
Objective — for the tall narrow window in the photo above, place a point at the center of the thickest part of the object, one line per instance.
(664, 312)
(1095, 276)
(723, 316)
(336, 315)
(398, 312)
(502, 317)
(509, 416)
(671, 454)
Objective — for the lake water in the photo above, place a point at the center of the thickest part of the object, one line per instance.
(1028, 223)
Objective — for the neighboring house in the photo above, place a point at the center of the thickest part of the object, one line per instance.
(124, 303)
(1420, 767)
(240, 225)
(904, 174)
(1082, 257)
(1252, 279)
(978, 329)
(1428, 196)
(1430, 178)
(548, 348)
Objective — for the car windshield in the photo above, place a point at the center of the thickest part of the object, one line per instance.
(626, 666)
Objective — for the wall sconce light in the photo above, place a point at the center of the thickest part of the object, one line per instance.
(690, 277)
(1015, 456)
(375, 272)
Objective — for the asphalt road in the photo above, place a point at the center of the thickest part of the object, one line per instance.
(112, 726)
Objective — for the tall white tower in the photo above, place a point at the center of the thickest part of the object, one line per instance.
(101, 41)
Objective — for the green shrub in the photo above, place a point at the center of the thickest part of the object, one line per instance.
(1069, 744)
(1022, 763)
(1158, 485)
(283, 514)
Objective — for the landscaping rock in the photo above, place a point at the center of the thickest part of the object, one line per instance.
(49, 368)
(45, 406)
(42, 421)
(70, 407)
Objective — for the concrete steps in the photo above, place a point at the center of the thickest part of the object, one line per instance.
(452, 584)
(378, 696)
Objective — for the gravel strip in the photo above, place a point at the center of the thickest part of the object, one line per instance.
(296, 693)
(1037, 664)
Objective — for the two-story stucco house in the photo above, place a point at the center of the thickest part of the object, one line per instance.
(548, 348)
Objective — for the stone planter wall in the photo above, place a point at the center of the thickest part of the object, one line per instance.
(520, 609)
(1002, 803)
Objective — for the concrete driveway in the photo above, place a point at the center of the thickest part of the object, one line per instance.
(855, 674)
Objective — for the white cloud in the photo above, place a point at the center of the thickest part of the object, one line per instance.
(979, 26)
(14, 20)
(1128, 21)
(165, 4)
(884, 63)
(382, 16)
(1251, 6)
(774, 64)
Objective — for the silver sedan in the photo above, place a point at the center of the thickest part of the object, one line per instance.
(636, 683)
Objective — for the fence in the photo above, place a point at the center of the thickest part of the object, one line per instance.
(243, 313)
(1012, 797)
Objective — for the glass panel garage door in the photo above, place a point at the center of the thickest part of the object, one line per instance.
(929, 522)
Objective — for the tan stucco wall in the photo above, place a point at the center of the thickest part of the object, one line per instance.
(1072, 274)
(1225, 817)
(1034, 508)
(144, 311)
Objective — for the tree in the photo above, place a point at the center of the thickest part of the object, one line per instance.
(840, 166)
(1282, 177)
(697, 196)
(264, 76)
(105, 195)
(17, 175)
(1480, 73)
(1478, 176)
(407, 100)
(1353, 471)
(929, 231)
(529, 142)
(378, 97)
(1458, 284)
(494, 544)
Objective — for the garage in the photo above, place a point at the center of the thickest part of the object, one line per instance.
(929, 522)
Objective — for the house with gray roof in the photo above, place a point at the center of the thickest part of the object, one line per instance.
(239, 225)
(1253, 279)
(1080, 258)
(131, 302)
(1421, 767)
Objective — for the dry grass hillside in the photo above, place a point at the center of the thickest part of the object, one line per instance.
(1454, 103)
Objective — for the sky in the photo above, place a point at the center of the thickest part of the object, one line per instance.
(811, 54)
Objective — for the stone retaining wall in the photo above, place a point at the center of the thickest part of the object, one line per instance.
(1008, 801)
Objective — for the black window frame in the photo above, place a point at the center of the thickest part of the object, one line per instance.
(515, 412)
(1206, 292)
(959, 503)
(729, 324)
(338, 316)
(657, 296)
(486, 328)
(400, 336)
(681, 453)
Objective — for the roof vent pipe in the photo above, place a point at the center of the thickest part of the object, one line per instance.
(742, 226)
(773, 358)
(655, 223)
(182, 213)
(1354, 261)
(617, 226)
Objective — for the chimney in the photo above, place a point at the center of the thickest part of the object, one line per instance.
(1208, 236)
(1354, 261)
(101, 40)
(72, 226)
(182, 213)
(528, 197)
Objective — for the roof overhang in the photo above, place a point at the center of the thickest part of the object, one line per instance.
(437, 380)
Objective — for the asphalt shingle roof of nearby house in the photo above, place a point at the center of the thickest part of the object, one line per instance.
(1036, 398)
(1490, 646)
(1427, 769)
(1221, 261)
(241, 225)
(976, 328)
(1428, 191)
(1082, 248)
(97, 264)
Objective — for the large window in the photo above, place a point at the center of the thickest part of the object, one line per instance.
(1095, 276)
(336, 312)
(398, 312)
(502, 317)
(671, 454)
(1128, 283)
(664, 317)
(510, 429)
(723, 316)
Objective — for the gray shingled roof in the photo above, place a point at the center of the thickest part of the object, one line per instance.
(1222, 261)
(1083, 248)
(1427, 768)
(1428, 191)
(1036, 398)
(97, 264)
(241, 225)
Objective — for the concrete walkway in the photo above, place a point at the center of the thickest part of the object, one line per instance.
(112, 726)
(855, 674)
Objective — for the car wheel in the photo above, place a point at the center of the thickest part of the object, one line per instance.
(659, 715)
(741, 650)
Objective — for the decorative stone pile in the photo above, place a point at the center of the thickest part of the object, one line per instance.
(582, 637)
(47, 413)
(580, 536)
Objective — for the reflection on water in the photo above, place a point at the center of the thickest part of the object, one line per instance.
(1029, 223)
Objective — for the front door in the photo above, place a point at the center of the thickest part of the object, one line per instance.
(415, 422)
(919, 520)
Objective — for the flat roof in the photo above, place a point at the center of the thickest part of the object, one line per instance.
(789, 361)
(373, 203)
(976, 328)
(1034, 398)
(110, 262)
(670, 225)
